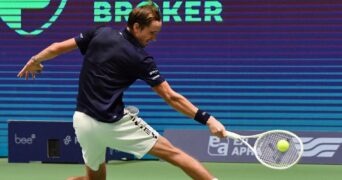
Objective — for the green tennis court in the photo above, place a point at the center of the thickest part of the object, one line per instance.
(155, 170)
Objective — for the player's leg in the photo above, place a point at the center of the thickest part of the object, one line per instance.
(133, 135)
(166, 151)
(100, 174)
(89, 133)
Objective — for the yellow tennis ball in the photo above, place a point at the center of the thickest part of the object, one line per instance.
(283, 145)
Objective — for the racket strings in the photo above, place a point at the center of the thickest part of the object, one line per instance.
(268, 152)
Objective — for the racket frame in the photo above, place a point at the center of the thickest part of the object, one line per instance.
(243, 138)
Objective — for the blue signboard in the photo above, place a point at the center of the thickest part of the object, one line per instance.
(51, 142)
(319, 147)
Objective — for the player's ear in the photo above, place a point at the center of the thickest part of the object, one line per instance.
(136, 27)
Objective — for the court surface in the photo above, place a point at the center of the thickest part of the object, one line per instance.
(156, 170)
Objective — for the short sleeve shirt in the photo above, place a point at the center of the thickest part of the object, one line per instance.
(113, 60)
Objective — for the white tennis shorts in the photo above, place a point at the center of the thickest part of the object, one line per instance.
(131, 134)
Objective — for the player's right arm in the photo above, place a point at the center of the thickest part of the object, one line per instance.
(183, 105)
(34, 65)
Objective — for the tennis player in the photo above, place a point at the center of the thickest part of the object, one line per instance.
(113, 60)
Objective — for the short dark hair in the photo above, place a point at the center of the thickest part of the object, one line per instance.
(144, 15)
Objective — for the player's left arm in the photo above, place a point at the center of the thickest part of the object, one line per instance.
(183, 105)
(34, 65)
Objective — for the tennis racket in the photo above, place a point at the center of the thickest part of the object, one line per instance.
(266, 151)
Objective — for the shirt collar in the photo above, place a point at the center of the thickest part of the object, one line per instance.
(128, 35)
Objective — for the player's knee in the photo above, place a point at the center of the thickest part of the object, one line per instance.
(176, 156)
(99, 174)
(78, 178)
(175, 152)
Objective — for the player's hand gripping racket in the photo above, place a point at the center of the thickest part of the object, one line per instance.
(276, 149)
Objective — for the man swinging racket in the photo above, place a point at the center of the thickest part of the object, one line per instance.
(113, 60)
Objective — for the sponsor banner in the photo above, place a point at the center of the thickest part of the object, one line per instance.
(319, 147)
(48, 141)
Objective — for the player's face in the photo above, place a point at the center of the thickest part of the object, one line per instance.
(149, 33)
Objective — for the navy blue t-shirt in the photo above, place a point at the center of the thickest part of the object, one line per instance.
(113, 60)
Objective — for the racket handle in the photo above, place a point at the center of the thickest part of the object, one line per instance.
(232, 135)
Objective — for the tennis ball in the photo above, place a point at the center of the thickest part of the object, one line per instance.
(283, 145)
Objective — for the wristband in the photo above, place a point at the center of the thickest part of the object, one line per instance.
(202, 117)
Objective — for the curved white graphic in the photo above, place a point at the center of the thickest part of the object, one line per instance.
(321, 147)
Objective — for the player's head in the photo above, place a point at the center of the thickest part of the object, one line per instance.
(145, 22)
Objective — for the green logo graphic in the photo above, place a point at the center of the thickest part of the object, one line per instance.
(11, 11)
